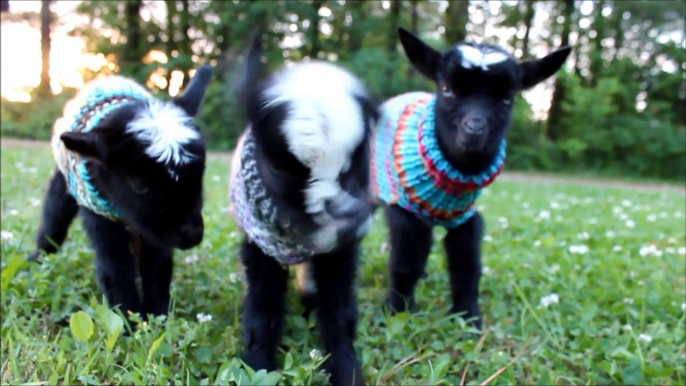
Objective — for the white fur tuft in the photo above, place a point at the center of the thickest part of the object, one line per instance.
(484, 57)
(164, 128)
(324, 125)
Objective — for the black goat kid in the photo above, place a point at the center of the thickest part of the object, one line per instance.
(299, 192)
(433, 153)
(133, 166)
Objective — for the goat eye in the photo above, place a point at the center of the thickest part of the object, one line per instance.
(448, 93)
(138, 186)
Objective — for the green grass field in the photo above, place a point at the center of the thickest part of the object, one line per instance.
(581, 285)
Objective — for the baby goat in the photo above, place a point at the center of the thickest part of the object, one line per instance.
(133, 166)
(299, 191)
(433, 153)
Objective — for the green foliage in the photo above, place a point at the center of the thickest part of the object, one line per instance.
(619, 318)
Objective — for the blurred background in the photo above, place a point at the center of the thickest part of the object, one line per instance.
(618, 108)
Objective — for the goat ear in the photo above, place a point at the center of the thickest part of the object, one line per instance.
(423, 58)
(537, 70)
(195, 91)
(86, 144)
(370, 108)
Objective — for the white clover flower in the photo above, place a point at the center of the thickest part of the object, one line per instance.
(623, 216)
(559, 218)
(32, 170)
(562, 243)
(234, 277)
(630, 223)
(626, 203)
(671, 240)
(678, 214)
(651, 217)
(683, 307)
(13, 212)
(204, 318)
(554, 205)
(216, 178)
(592, 220)
(190, 259)
(682, 250)
(578, 249)
(502, 219)
(588, 200)
(583, 236)
(616, 210)
(543, 215)
(316, 355)
(525, 205)
(609, 234)
(662, 215)
(670, 250)
(488, 238)
(34, 201)
(481, 208)
(632, 274)
(486, 270)
(617, 248)
(537, 243)
(554, 268)
(547, 300)
(629, 300)
(650, 250)
(6, 235)
(627, 327)
(645, 338)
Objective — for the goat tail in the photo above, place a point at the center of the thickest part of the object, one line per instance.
(307, 291)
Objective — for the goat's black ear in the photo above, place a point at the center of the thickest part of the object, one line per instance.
(537, 70)
(86, 144)
(195, 91)
(423, 58)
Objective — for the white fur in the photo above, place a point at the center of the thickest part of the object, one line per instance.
(323, 127)
(475, 57)
(165, 128)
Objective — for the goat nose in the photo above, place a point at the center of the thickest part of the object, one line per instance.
(474, 125)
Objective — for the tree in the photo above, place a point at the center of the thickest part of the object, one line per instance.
(456, 18)
(555, 112)
(45, 24)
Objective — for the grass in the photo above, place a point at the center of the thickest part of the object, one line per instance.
(619, 315)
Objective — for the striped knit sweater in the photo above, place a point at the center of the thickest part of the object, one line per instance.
(409, 170)
(83, 113)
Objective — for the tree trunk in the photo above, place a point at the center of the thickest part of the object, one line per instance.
(186, 39)
(45, 43)
(456, 19)
(131, 55)
(528, 21)
(355, 35)
(596, 51)
(414, 26)
(170, 46)
(555, 113)
(315, 44)
(392, 39)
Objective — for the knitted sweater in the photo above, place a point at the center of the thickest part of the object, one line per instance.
(257, 216)
(409, 170)
(83, 113)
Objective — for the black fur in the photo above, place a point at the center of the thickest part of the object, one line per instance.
(334, 273)
(159, 212)
(472, 116)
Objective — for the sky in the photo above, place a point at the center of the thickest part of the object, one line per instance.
(20, 54)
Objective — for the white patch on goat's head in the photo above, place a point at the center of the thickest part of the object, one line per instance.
(165, 128)
(324, 124)
(480, 56)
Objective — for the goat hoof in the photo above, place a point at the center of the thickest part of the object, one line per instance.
(258, 361)
(33, 257)
(344, 371)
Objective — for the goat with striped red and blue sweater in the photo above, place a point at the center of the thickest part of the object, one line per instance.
(133, 166)
(433, 153)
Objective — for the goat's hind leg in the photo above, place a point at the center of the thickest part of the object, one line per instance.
(263, 307)
(410, 241)
(334, 274)
(114, 263)
(463, 251)
(59, 210)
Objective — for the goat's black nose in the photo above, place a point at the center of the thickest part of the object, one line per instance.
(474, 125)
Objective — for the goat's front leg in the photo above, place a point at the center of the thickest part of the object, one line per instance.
(59, 210)
(334, 274)
(263, 307)
(156, 267)
(463, 251)
(114, 263)
(410, 241)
